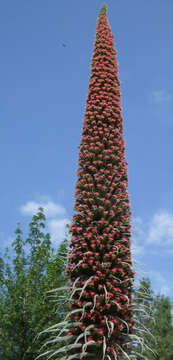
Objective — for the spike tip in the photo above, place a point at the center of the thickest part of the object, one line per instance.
(103, 9)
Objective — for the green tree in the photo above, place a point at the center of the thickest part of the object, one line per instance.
(154, 321)
(163, 327)
(25, 307)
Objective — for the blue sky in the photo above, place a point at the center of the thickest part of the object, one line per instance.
(42, 101)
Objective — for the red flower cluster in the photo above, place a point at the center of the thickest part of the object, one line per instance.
(100, 259)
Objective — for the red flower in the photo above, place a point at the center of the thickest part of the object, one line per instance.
(101, 230)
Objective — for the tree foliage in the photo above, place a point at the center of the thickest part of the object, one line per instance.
(158, 322)
(25, 277)
(163, 327)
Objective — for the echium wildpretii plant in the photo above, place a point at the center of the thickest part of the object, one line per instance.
(101, 318)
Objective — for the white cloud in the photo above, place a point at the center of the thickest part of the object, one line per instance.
(157, 232)
(57, 229)
(56, 215)
(161, 96)
(51, 209)
(154, 237)
(160, 283)
(160, 230)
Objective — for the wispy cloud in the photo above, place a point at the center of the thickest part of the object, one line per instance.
(57, 229)
(56, 215)
(160, 231)
(161, 96)
(51, 209)
(154, 237)
(161, 283)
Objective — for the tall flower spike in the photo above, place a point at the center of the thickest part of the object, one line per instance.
(100, 322)
(100, 258)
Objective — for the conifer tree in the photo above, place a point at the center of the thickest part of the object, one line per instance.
(100, 320)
